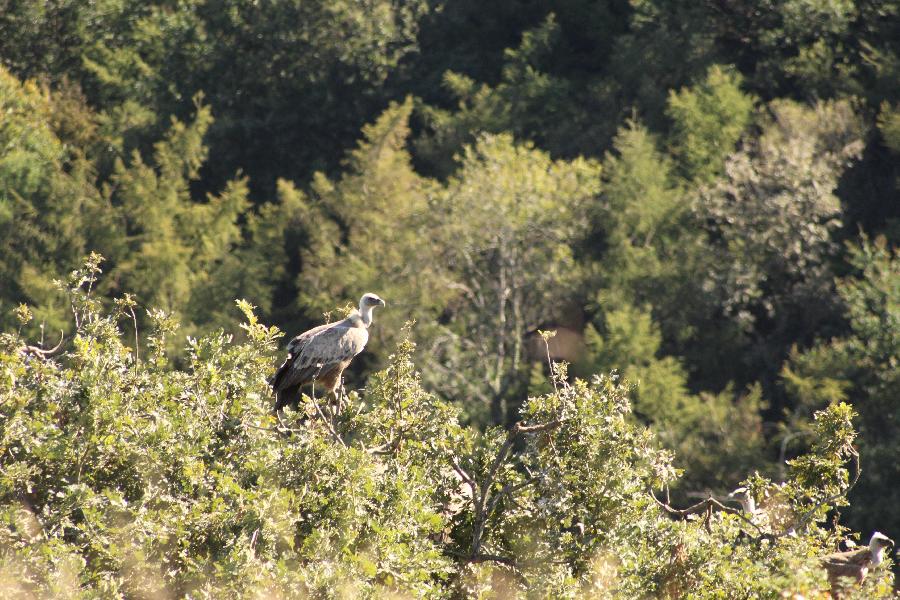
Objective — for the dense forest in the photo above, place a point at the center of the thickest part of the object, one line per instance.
(627, 247)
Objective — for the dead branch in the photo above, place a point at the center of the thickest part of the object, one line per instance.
(36, 351)
(706, 506)
(462, 473)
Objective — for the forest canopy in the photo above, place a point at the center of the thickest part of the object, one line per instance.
(701, 200)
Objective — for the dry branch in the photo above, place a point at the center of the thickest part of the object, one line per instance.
(36, 351)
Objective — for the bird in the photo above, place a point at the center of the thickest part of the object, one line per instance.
(742, 495)
(772, 513)
(856, 563)
(322, 353)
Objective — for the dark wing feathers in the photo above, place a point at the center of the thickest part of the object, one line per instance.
(850, 557)
(852, 563)
(317, 351)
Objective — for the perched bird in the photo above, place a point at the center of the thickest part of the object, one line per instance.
(856, 563)
(743, 496)
(770, 511)
(322, 353)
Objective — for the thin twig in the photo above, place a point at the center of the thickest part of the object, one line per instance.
(137, 341)
(327, 423)
(550, 362)
(482, 557)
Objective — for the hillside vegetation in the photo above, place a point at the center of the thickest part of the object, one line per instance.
(125, 477)
(701, 197)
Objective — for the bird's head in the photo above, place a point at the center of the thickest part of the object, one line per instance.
(879, 541)
(738, 493)
(742, 495)
(366, 304)
(370, 301)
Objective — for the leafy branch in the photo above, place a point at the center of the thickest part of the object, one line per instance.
(486, 500)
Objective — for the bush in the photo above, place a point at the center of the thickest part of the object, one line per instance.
(125, 475)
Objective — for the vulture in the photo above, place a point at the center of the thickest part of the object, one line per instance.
(743, 496)
(322, 353)
(856, 563)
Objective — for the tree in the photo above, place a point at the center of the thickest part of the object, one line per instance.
(771, 219)
(367, 232)
(121, 475)
(50, 211)
(172, 244)
(861, 368)
(708, 120)
(510, 220)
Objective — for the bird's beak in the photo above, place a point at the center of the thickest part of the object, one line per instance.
(381, 302)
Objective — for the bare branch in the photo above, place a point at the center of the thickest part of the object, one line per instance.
(479, 558)
(465, 476)
(137, 341)
(327, 423)
(36, 351)
(706, 506)
(483, 557)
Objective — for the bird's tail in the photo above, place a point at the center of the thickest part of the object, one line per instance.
(275, 379)
(286, 397)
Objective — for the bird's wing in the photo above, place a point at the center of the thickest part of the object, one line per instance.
(286, 376)
(317, 351)
(851, 558)
(298, 342)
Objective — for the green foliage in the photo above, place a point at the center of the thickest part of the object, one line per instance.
(123, 476)
(138, 479)
(778, 234)
(713, 436)
(186, 257)
(171, 244)
(365, 230)
(673, 185)
(862, 368)
(510, 221)
(49, 210)
(708, 120)
(525, 101)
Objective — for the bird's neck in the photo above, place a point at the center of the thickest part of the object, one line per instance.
(877, 555)
(749, 504)
(365, 315)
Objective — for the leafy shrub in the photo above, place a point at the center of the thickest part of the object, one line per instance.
(126, 476)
